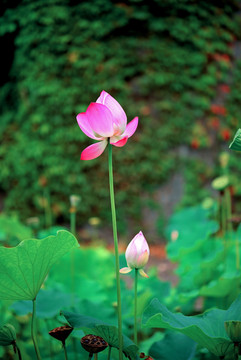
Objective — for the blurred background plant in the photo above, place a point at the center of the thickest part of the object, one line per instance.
(171, 63)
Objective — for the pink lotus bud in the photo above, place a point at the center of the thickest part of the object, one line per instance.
(137, 254)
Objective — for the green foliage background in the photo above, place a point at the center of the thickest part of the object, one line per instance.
(157, 58)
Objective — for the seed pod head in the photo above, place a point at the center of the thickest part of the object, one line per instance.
(145, 357)
(93, 344)
(233, 329)
(74, 200)
(61, 333)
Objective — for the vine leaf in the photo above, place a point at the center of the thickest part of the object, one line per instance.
(207, 330)
(24, 268)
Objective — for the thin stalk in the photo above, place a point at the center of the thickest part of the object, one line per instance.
(117, 265)
(33, 330)
(47, 208)
(16, 348)
(65, 351)
(228, 208)
(109, 352)
(96, 356)
(236, 351)
(72, 253)
(73, 221)
(135, 308)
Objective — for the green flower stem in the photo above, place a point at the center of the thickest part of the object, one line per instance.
(135, 308)
(117, 265)
(33, 330)
(65, 351)
(96, 356)
(109, 352)
(228, 207)
(73, 221)
(72, 254)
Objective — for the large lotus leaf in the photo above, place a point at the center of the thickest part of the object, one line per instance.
(173, 346)
(207, 329)
(236, 143)
(108, 332)
(23, 268)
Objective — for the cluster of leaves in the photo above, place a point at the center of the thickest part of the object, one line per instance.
(208, 262)
(161, 60)
(83, 282)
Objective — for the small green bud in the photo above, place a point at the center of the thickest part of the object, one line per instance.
(7, 335)
(233, 329)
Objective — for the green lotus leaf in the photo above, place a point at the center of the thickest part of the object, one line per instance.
(207, 329)
(23, 268)
(236, 143)
(7, 335)
(173, 346)
(222, 287)
(108, 332)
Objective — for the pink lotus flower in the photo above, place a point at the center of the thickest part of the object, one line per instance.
(137, 255)
(105, 119)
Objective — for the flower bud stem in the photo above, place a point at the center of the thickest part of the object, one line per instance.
(33, 330)
(72, 256)
(135, 308)
(18, 351)
(117, 265)
(73, 222)
(236, 351)
(65, 351)
(109, 352)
